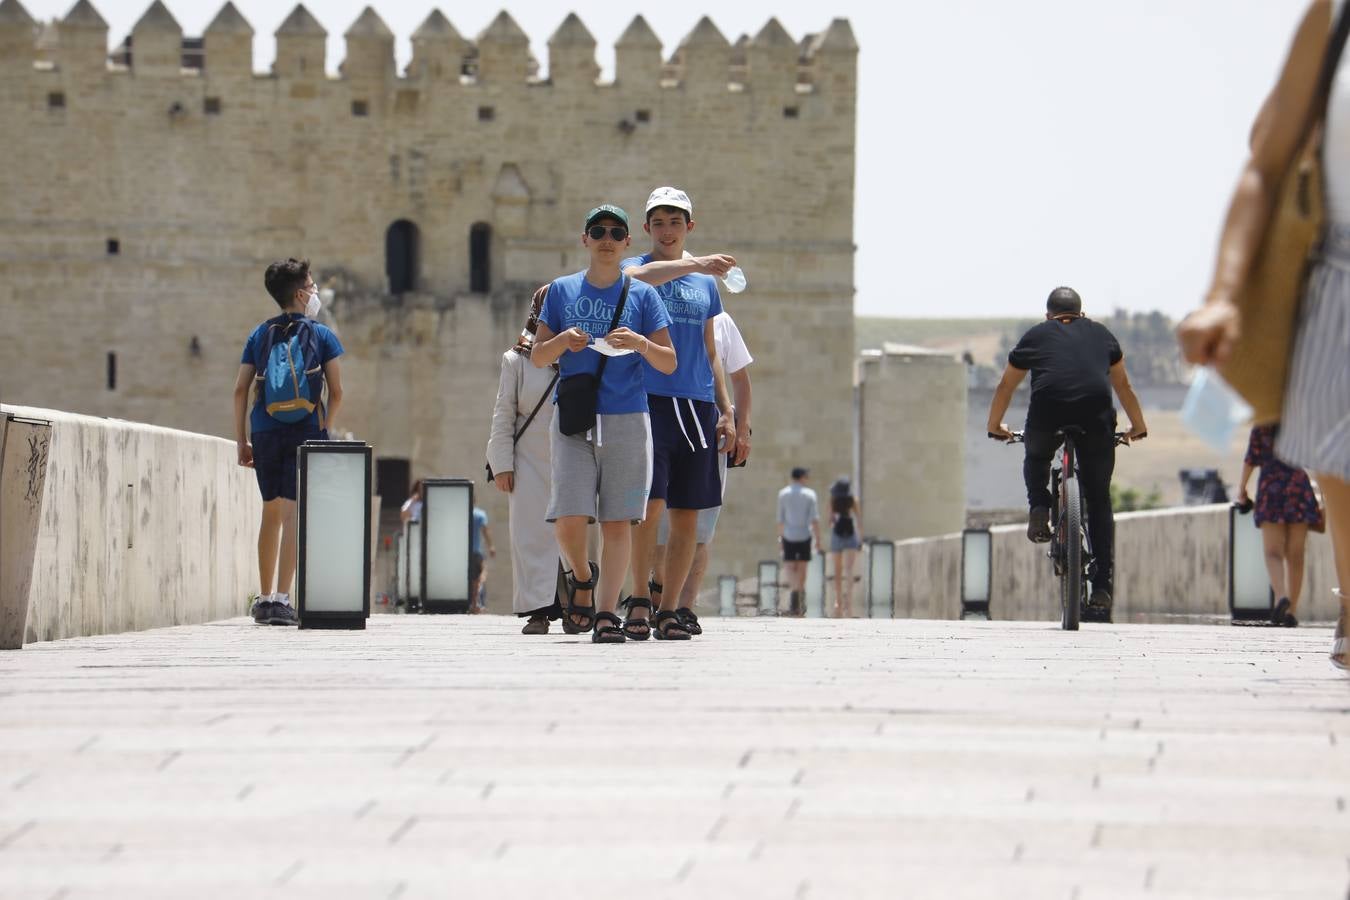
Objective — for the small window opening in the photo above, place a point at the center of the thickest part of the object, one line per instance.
(211, 106)
(790, 112)
(487, 113)
(401, 256)
(480, 258)
(360, 108)
(114, 246)
(112, 371)
(56, 100)
(643, 115)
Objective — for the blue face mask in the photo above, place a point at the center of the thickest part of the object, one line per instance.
(1213, 410)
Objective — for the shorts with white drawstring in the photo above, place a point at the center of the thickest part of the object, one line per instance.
(685, 472)
(604, 473)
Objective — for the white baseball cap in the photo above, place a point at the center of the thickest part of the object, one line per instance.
(669, 196)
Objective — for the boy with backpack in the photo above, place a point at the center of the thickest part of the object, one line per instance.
(287, 361)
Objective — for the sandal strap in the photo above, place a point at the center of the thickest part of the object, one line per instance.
(667, 621)
(686, 614)
(615, 623)
(656, 587)
(633, 603)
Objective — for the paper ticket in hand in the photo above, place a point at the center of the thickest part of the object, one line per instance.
(604, 346)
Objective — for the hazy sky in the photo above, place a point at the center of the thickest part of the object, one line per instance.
(1003, 147)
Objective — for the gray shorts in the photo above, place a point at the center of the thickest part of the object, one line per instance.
(707, 518)
(604, 474)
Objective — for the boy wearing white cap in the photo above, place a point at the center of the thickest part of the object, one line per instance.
(691, 413)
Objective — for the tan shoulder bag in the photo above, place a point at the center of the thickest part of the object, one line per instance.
(1268, 301)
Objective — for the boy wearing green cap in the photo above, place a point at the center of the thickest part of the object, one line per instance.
(604, 473)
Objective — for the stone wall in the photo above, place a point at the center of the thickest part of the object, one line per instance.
(142, 527)
(1168, 563)
(202, 176)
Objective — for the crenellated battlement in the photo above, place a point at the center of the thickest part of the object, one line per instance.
(499, 56)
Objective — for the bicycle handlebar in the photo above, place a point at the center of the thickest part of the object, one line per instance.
(1122, 438)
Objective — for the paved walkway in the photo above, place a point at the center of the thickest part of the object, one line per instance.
(451, 757)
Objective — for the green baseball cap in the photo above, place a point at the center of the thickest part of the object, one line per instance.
(605, 210)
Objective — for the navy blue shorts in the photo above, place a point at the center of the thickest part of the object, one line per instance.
(685, 473)
(274, 459)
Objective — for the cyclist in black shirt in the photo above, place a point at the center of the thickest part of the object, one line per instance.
(1074, 364)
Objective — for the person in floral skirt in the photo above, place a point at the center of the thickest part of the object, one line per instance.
(1285, 508)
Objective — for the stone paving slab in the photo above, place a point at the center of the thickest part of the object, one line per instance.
(450, 756)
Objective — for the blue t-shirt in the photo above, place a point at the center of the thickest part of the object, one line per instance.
(329, 348)
(480, 520)
(690, 301)
(573, 302)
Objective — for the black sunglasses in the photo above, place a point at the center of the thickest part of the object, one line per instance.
(598, 232)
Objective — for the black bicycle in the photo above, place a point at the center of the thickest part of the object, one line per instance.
(1070, 543)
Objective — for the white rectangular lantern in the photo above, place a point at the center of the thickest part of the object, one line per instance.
(726, 595)
(447, 534)
(768, 588)
(1249, 594)
(334, 547)
(880, 579)
(977, 557)
(816, 586)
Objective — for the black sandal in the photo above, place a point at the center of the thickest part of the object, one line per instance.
(668, 627)
(689, 620)
(609, 633)
(637, 629)
(656, 589)
(571, 609)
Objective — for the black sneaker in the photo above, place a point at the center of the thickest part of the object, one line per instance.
(1038, 525)
(283, 614)
(1098, 607)
(261, 611)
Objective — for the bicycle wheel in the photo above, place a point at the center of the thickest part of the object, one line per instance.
(1071, 584)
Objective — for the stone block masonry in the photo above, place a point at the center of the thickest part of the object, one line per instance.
(140, 202)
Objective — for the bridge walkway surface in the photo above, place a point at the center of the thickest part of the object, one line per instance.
(453, 757)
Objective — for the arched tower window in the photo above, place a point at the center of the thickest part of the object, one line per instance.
(401, 256)
(480, 258)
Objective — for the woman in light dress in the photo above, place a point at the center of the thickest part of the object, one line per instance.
(1315, 426)
(520, 467)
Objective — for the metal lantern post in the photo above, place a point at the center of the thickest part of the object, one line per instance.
(726, 595)
(977, 572)
(1250, 598)
(334, 550)
(447, 536)
(412, 538)
(880, 579)
(768, 587)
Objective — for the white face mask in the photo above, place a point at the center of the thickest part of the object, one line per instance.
(314, 305)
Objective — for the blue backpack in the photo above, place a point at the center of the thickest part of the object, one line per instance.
(290, 379)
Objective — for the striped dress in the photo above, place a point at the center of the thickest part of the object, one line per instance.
(1315, 427)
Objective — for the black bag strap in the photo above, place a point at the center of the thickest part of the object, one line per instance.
(542, 397)
(614, 323)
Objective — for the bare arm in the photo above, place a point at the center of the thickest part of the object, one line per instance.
(1003, 394)
(1120, 380)
(726, 423)
(501, 446)
(548, 347)
(332, 374)
(660, 271)
(740, 390)
(242, 382)
(1247, 470)
(1207, 335)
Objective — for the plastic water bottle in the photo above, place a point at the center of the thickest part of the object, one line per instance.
(1213, 411)
(734, 280)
